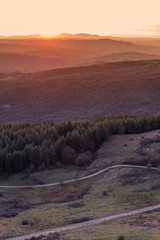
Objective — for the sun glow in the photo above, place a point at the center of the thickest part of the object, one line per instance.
(107, 17)
(49, 36)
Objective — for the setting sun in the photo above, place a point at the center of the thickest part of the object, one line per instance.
(49, 36)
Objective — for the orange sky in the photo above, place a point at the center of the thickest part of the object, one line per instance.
(104, 17)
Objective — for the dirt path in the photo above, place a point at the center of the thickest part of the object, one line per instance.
(88, 223)
(82, 178)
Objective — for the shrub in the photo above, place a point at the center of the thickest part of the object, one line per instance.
(78, 220)
(17, 204)
(10, 214)
(155, 161)
(81, 193)
(105, 193)
(25, 222)
(121, 238)
(58, 164)
(141, 152)
(133, 161)
(143, 161)
(156, 186)
(76, 205)
(83, 159)
(51, 236)
(35, 178)
(68, 155)
(1, 194)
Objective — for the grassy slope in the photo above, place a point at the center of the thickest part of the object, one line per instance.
(81, 93)
(139, 227)
(126, 189)
(121, 197)
(122, 147)
(46, 176)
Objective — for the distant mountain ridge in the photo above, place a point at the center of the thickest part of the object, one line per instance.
(30, 55)
(11, 62)
(121, 57)
(61, 35)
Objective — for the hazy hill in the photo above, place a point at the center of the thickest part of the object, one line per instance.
(11, 62)
(120, 57)
(79, 36)
(91, 47)
(131, 88)
(60, 53)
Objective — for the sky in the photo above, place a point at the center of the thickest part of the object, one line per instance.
(104, 17)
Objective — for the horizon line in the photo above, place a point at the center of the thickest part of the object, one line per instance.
(54, 35)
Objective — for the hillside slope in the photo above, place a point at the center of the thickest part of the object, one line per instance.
(10, 62)
(121, 57)
(131, 88)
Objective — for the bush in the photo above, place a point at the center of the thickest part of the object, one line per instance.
(83, 159)
(51, 236)
(1, 194)
(155, 161)
(143, 161)
(58, 164)
(145, 142)
(68, 155)
(141, 152)
(8, 213)
(133, 161)
(121, 238)
(76, 205)
(25, 222)
(35, 178)
(105, 193)
(156, 186)
(78, 220)
(16, 205)
(81, 193)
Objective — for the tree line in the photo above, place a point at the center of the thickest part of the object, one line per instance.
(27, 145)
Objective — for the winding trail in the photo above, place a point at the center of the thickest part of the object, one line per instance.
(88, 223)
(82, 178)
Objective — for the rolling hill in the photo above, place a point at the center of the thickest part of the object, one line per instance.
(30, 55)
(121, 57)
(131, 88)
(11, 62)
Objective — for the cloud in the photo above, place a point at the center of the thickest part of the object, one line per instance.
(156, 28)
(151, 29)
